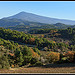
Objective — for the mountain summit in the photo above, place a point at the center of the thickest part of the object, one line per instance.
(42, 19)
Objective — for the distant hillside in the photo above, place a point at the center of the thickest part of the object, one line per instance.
(23, 25)
(73, 26)
(13, 22)
(41, 19)
(27, 28)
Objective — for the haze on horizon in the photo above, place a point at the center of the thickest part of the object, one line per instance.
(53, 9)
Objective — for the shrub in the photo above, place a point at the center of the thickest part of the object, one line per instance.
(70, 56)
(12, 66)
(53, 57)
(31, 40)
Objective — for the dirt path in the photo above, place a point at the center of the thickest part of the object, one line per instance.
(40, 70)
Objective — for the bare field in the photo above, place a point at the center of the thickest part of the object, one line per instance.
(51, 69)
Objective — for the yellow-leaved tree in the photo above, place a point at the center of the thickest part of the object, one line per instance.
(53, 57)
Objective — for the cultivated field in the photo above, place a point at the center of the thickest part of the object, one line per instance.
(59, 68)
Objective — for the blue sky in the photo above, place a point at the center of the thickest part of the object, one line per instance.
(54, 9)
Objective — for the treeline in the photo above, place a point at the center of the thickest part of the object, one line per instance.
(68, 33)
(41, 31)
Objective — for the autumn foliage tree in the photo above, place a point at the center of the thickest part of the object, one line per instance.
(53, 57)
(34, 54)
(70, 56)
(35, 57)
(31, 40)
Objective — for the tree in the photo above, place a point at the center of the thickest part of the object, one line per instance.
(70, 56)
(34, 54)
(26, 51)
(36, 50)
(27, 60)
(4, 62)
(32, 40)
(19, 57)
(53, 57)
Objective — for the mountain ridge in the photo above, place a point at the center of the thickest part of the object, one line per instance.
(42, 19)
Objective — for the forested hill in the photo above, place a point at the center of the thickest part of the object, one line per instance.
(27, 28)
(39, 42)
(13, 22)
(15, 53)
(68, 33)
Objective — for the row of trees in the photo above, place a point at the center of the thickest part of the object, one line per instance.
(66, 57)
(42, 31)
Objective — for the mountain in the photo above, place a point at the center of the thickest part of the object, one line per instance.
(36, 18)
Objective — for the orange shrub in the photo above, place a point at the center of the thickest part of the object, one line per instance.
(42, 36)
(32, 40)
(54, 42)
(12, 66)
(53, 57)
(2, 46)
(70, 56)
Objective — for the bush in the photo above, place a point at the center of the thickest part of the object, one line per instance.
(12, 66)
(70, 56)
(53, 57)
(65, 60)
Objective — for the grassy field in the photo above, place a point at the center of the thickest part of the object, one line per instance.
(59, 68)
